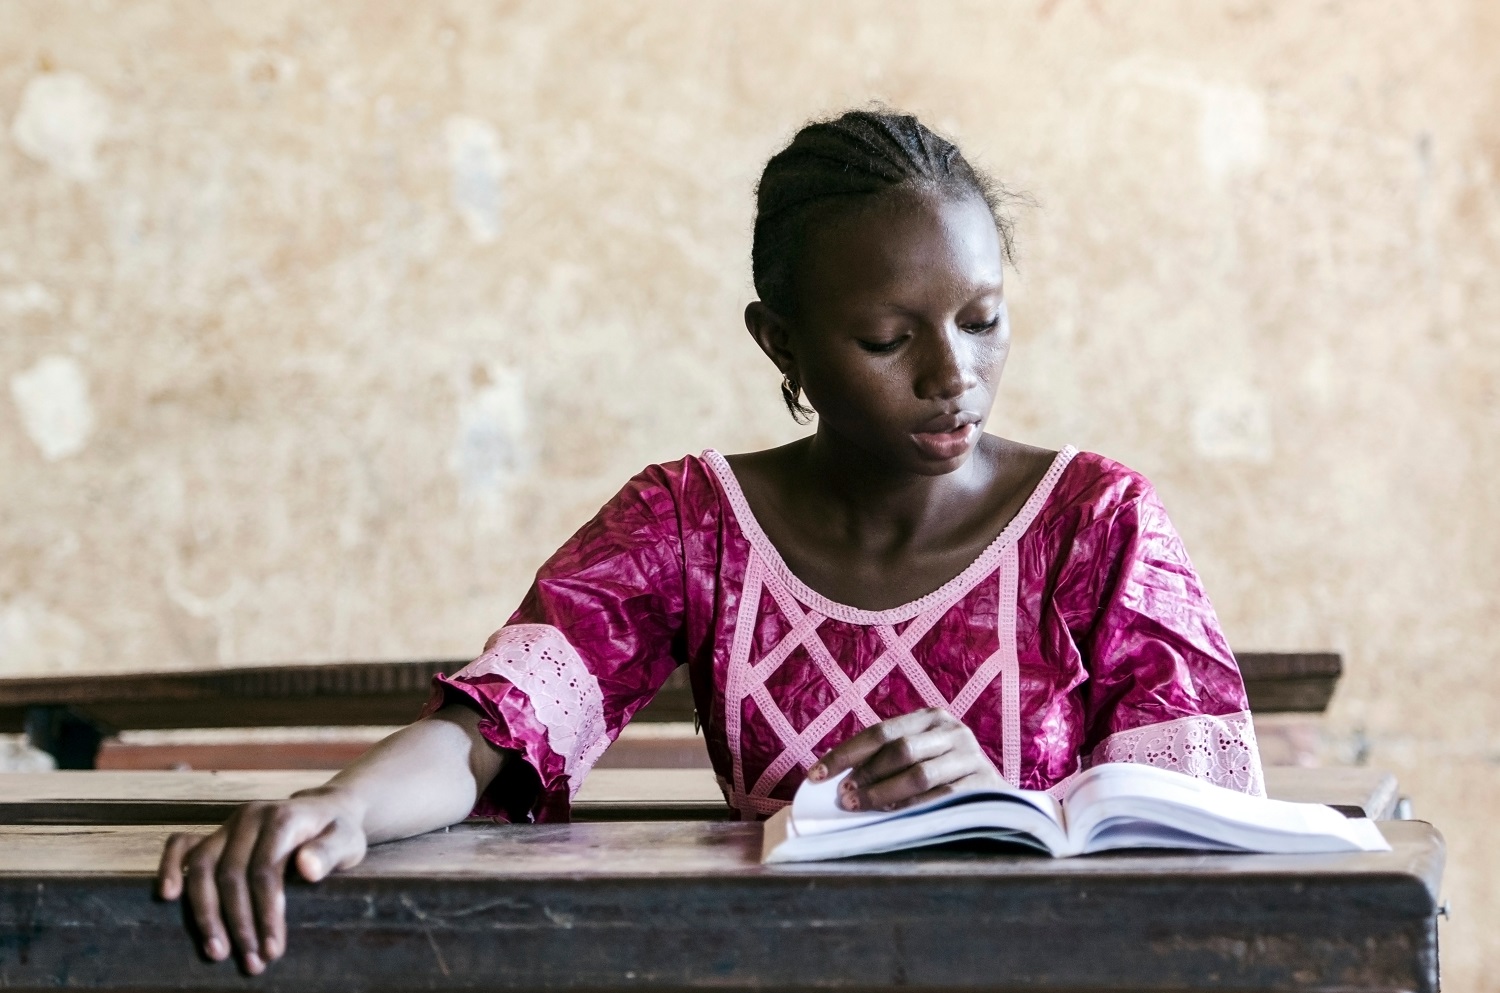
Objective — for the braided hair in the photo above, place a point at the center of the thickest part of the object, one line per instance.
(838, 163)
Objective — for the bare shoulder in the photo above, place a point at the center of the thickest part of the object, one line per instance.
(1015, 467)
(767, 464)
(764, 476)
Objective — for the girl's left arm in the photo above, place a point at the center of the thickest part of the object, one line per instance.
(1164, 689)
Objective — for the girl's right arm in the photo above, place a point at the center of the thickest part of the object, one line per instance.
(421, 778)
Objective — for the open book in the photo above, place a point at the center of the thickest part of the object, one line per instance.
(1116, 805)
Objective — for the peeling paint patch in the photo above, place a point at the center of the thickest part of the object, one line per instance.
(1231, 130)
(27, 298)
(53, 400)
(62, 119)
(477, 166)
(490, 445)
(1233, 424)
(34, 638)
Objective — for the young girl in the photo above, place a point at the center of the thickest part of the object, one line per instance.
(899, 594)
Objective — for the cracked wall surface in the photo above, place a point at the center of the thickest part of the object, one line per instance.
(322, 324)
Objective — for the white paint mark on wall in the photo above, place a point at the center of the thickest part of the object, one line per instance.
(1233, 424)
(62, 119)
(36, 639)
(477, 166)
(1231, 130)
(490, 445)
(27, 298)
(218, 609)
(53, 400)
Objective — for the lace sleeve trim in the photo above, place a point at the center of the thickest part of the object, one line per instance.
(1219, 750)
(564, 694)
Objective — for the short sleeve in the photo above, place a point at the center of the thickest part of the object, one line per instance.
(1164, 689)
(595, 637)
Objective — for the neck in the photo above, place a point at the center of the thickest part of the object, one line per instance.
(869, 501)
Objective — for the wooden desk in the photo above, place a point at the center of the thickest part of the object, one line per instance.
(607, 794)
(685, 905)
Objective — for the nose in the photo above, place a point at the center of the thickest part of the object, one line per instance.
(946, 369)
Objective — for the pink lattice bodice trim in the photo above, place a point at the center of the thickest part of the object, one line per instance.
(564, 694)
(804, 610)
(1220, 750)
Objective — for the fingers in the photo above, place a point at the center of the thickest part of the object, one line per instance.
(169, 872)
(282, 829)
(340, 845)
(933, 775)
(203, 896)
(906, 760)
(232, 878)
(869, 741)
(898, 755)
(235, 878)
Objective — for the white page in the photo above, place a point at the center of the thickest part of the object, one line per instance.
(1107, 796)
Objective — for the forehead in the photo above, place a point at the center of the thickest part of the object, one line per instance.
(903, 248)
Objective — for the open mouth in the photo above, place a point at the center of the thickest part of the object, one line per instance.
(946, 444)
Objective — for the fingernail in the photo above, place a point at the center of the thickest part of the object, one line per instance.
(216, 949)
(273, 948)
(253, 964)
(847, 786)
(312, 866)
(850, 801)
(818, 773)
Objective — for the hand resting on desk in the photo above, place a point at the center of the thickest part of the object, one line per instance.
(421, 778)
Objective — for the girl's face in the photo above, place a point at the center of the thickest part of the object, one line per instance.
(902, 331)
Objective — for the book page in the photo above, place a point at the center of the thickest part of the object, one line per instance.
(1108, 798)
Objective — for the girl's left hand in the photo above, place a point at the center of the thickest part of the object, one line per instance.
(906, 760)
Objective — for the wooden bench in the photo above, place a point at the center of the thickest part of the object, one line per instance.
(68, 716)
(686, 905)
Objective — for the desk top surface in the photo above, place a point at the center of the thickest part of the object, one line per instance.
(695, 849)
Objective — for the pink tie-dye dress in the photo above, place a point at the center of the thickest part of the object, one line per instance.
(1081, 635)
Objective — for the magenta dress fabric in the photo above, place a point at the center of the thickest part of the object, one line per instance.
(1081, 635)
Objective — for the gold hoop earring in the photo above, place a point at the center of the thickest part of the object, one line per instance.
(791, 395)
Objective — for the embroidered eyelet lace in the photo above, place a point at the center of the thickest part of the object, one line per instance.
(1219, 750)
(564, 694)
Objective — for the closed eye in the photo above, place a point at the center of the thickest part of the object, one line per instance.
(982, 328)
(880, 347)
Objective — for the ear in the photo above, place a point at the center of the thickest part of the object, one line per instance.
(773, 334)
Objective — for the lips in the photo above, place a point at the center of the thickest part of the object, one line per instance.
(947, 437)
(948, 423)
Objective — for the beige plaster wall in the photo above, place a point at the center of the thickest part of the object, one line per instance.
(321, 324)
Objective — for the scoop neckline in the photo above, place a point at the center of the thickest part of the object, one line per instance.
(948, 593)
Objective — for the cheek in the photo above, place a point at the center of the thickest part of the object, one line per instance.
(988, 357)
(859, 390)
